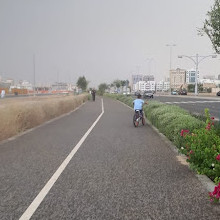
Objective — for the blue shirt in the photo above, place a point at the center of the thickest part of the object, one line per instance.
(138, 104)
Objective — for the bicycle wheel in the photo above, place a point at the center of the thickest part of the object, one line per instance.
(135, 120)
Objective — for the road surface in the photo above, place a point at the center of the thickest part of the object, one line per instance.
(118, 171)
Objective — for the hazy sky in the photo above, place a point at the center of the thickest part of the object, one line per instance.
(101, 39)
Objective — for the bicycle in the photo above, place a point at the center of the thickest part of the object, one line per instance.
(138, 116)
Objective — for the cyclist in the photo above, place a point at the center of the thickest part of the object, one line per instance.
(138, 104)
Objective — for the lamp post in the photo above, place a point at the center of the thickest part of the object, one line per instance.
(171, 46)
(197, 59)
(34, 72)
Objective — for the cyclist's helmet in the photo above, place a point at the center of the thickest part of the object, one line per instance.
(139, 96)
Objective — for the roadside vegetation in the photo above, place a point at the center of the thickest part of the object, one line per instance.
(20, 114)
(195, 137)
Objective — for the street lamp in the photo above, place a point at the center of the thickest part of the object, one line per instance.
(170, 45)
(197, 61)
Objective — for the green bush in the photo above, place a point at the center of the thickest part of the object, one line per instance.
(202, 147)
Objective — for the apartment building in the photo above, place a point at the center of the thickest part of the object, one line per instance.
(177, 78)
(163, 86)
(191, 76)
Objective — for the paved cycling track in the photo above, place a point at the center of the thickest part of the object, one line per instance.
(119, 172)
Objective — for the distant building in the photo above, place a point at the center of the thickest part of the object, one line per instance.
(136, 78)
(163, 86)
(143, 86)
(148, 78)
(4, 85)
(150, 85)
(140, 78)
(212, 77)
(191, 76)
(219, 77)
(10, 81)
(59, 86)
(177, 78)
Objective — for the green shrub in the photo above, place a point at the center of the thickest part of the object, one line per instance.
(202, 147)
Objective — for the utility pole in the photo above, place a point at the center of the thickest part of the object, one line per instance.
(34, 73)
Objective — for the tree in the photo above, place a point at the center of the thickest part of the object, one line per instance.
(117, 83)
(102, 88)
(212, 26)
(191, 88)
(200, 87)
(123, 83)
(82, 83)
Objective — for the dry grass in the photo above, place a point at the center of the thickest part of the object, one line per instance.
(20, 114)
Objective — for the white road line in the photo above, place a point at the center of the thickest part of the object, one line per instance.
(40, 197)
(191, 102)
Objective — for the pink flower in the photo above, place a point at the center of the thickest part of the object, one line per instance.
(215, 195)
(181, 134)
(215, 191)
(212, 118)
(191, 152)
(208, 127)
(218, 158)
(183, 131)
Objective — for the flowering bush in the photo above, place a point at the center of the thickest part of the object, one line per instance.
(202, 148)
(215, 195)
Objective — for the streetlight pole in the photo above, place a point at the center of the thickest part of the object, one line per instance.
(170, 45)
(196, 60)
(34, 72)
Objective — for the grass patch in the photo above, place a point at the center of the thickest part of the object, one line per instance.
(20, 114)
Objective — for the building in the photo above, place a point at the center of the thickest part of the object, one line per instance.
(140, 86)
(163, 86)
(191, 76)
(148, 78)
(211, 77)
(177, 78)
(150, 85)
(59, 86)
(144, 86)
(136, 78)
(142, 78)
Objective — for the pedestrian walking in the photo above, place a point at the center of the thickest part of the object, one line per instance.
(93, 94)
(2, 93)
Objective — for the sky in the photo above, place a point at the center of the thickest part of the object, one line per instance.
(103, 40)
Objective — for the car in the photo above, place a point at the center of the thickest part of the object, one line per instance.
(218, 93)
(137, 93)
(183, 92)
(148, 94)
(174, 93)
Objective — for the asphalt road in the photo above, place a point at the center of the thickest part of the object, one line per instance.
(193, 104)
(119, 172)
